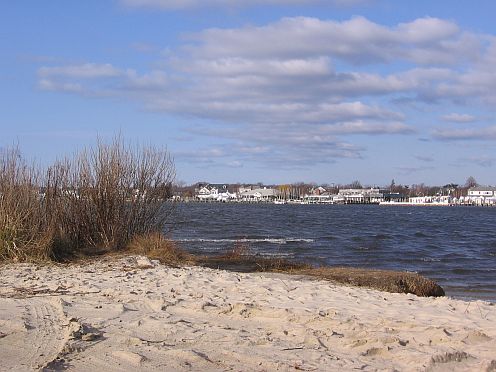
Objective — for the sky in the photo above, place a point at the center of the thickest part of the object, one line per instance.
(271, 91)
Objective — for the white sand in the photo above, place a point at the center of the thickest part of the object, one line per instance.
(133, 314)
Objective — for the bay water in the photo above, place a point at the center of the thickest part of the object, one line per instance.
(455, 246)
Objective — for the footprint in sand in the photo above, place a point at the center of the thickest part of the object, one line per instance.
(475, 337)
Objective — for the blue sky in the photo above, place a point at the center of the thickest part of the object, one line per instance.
(271, 91)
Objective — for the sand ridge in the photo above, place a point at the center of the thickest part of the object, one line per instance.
(133, 313)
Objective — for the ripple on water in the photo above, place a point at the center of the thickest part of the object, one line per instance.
(382, 236)
(452, 245)
(420, 234)
(430, 259)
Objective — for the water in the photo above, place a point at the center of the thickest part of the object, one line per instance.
(455, 246)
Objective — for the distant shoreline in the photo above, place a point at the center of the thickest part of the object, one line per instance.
(398, 204)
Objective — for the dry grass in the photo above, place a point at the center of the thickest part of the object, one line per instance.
(157, 247)
(241, 259)
(383, 280)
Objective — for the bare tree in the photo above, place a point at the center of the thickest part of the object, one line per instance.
(471, 182)
(356, 185)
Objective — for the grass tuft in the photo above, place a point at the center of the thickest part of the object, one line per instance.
(240, 259)
(383, 280)
(157, 247)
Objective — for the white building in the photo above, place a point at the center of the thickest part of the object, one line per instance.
(212, 192)
(371, 195)
(319, 199)
(434, 200)
(257, 195)
(482, 195)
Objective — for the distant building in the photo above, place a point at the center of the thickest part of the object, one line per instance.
(318, 191)
(393, 196)
(214, 192)
(434, 200)
(361, 196)
(257, 195)
(482, 191)
(482, 195)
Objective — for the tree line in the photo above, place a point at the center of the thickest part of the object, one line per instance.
(299, 189)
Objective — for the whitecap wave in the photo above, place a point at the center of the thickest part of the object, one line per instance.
(430, 259)
(247, 240)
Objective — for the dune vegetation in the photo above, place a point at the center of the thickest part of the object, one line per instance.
(97, 200)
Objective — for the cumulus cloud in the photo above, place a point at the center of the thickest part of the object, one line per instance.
(358, 40)
(474, 83)
(301, 83)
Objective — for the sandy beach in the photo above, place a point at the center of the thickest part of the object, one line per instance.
(135, 314)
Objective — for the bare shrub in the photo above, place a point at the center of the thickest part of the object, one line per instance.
(105, 196)
(239, 250)
(25, 230)
(99, 199)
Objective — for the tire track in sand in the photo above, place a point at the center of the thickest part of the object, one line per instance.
(40, 337)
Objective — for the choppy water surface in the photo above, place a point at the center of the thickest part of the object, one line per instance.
(456, 246)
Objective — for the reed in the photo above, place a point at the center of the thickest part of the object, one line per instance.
(156, 246)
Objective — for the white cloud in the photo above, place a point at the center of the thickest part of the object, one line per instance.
(358, 40)
(302, 83)
(52, 85)
(459, 118)
(371, 128)
(481, 134)
(474, 83)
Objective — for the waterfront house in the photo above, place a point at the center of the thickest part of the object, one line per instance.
(318, 191)
(482, 195)
(214, 192)
(318, 195)
(394, 197)
(362, 196)
(257, 195)
(432, 200)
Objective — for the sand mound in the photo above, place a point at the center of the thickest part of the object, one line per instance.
(389, 281)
